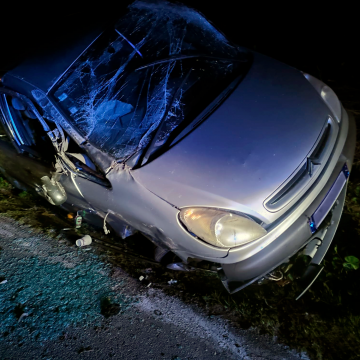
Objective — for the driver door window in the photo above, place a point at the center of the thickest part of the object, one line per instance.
(24, 129)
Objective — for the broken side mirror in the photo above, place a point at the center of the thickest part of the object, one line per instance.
(52, 190)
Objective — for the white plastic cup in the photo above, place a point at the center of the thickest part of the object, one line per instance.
(85, 240)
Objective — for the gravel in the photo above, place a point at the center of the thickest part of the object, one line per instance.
(62, 302)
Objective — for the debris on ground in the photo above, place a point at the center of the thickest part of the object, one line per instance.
(170, 282)
(48, 214)
(22, 316)
(78, 221)
(84, 241)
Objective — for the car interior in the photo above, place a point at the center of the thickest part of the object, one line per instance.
(25, 130)
(22, 128)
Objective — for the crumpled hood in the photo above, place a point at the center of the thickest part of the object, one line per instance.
(247, 148)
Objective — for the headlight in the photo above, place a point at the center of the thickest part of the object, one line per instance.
(327, 94)
(220, 228)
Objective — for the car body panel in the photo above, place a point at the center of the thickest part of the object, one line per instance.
(131, 203)
(313, 198)
(298, 234)
(44, 70)
(21, 168)
(247, 148)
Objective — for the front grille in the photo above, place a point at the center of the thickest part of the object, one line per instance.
(308, 171)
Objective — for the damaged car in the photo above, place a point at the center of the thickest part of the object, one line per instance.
(159, 124)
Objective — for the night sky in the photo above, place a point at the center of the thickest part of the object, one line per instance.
(323, 41)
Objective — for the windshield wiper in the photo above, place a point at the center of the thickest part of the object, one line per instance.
(183, 128)
(148, 149)
(183, 57)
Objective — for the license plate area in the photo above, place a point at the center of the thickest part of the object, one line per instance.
(320, 213)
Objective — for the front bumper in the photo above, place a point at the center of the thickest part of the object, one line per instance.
(238, 275)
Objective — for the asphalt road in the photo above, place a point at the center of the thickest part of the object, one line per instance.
(52, 296)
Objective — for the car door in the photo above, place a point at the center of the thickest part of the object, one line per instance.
(26, 153)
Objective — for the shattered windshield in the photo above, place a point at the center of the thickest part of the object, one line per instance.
(161, 64)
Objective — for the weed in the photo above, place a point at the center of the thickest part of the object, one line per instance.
(351, 263)
(4, 184)
(24, 195)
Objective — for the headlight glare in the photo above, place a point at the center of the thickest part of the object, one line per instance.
(220, 228)
(327, 95)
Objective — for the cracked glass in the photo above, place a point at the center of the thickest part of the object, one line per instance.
(159, 67)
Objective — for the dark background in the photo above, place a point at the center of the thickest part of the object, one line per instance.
(322, 40)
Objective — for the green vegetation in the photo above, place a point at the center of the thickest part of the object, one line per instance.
(24, 194)
(4, 184)
(351, 262)
(325, 322)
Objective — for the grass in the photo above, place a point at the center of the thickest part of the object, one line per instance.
(325, 322)
(24, 195)
(4, 184)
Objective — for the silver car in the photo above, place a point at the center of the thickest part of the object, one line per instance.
(159, 124)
